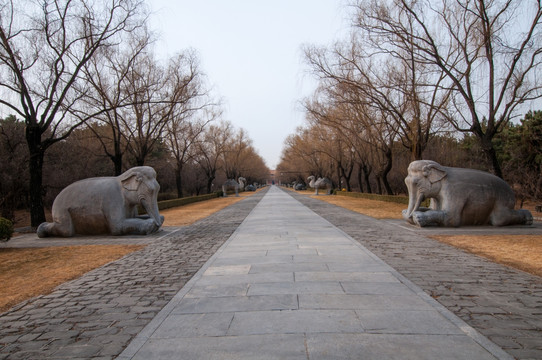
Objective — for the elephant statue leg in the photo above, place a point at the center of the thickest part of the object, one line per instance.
(503, 217)
(62, 226)
(137, 226)
(428, 218)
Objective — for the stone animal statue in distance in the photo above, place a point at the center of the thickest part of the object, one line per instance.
(231, 184)
(321, 183)
(459, 197)
(107, 205)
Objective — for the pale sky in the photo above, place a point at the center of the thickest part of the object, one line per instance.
(251, 53)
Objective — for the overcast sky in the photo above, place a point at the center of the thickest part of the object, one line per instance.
(251, 53)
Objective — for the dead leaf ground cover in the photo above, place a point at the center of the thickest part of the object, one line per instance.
(25, 273)
(28, 272)
(188, 214)
(522, 252)
(373, 208)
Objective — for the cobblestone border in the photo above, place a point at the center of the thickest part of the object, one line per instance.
(98, 314)
(502, 303)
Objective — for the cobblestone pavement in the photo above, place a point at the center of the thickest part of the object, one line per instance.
(98, 314)
(502, 303)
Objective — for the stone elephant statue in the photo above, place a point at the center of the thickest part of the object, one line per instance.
(107, 205)
(459, 197)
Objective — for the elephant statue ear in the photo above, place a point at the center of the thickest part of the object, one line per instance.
(434, 172)
(131, 182)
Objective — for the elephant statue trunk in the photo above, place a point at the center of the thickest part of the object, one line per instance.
(151, 207)
(414, 203)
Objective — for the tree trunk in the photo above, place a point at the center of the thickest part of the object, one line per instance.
(386, 171)
(367, 173)
(140, 161)
(492, 157)
(360, 178)
(36, 152)
(347, 175)
(378, 184)
(416, 151)
(210, 179)
(387, 186)
(179, 180)
(117, 163)
(117, 159)
(489, 151)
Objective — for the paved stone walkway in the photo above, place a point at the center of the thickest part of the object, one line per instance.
(502, 303)
(98, 314)
(289, 285)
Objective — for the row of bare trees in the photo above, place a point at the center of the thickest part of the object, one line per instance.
(218, 149)
(414, 69)
(87, 66)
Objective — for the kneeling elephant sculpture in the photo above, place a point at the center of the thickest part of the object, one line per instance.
(107, 205)
(459, 197)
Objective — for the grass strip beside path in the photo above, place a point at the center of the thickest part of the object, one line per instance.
(523, 252)
(29, 272)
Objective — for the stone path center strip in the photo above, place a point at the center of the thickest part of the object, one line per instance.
(289, 285)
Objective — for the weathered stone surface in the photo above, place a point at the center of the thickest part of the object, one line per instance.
(500, 302)
(459, 197)
(465, 284)
(112, 297)
(107, 205)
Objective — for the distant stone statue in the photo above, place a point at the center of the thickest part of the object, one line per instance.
(107, 205)
(231, 184)
(242, 181)
(459, 197)
(321, 183)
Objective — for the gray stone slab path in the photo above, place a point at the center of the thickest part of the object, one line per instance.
(502, 303)
(97, 315)
(289, 285)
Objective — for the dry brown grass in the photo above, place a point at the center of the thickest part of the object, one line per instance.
(25, 273)
(372, 208)
(28, 272)
(188, 214)
(522, 252)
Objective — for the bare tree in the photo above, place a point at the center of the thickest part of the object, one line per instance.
(13, 169)
(235, 152)
(490, 50)
(210, 150)
(302, 149)
(108, 76)
(189, 112)
(182, 138)
(43, 48)
(239, 158)
(364, 127)
(151, 104)
(254, 167)
(386, 79)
